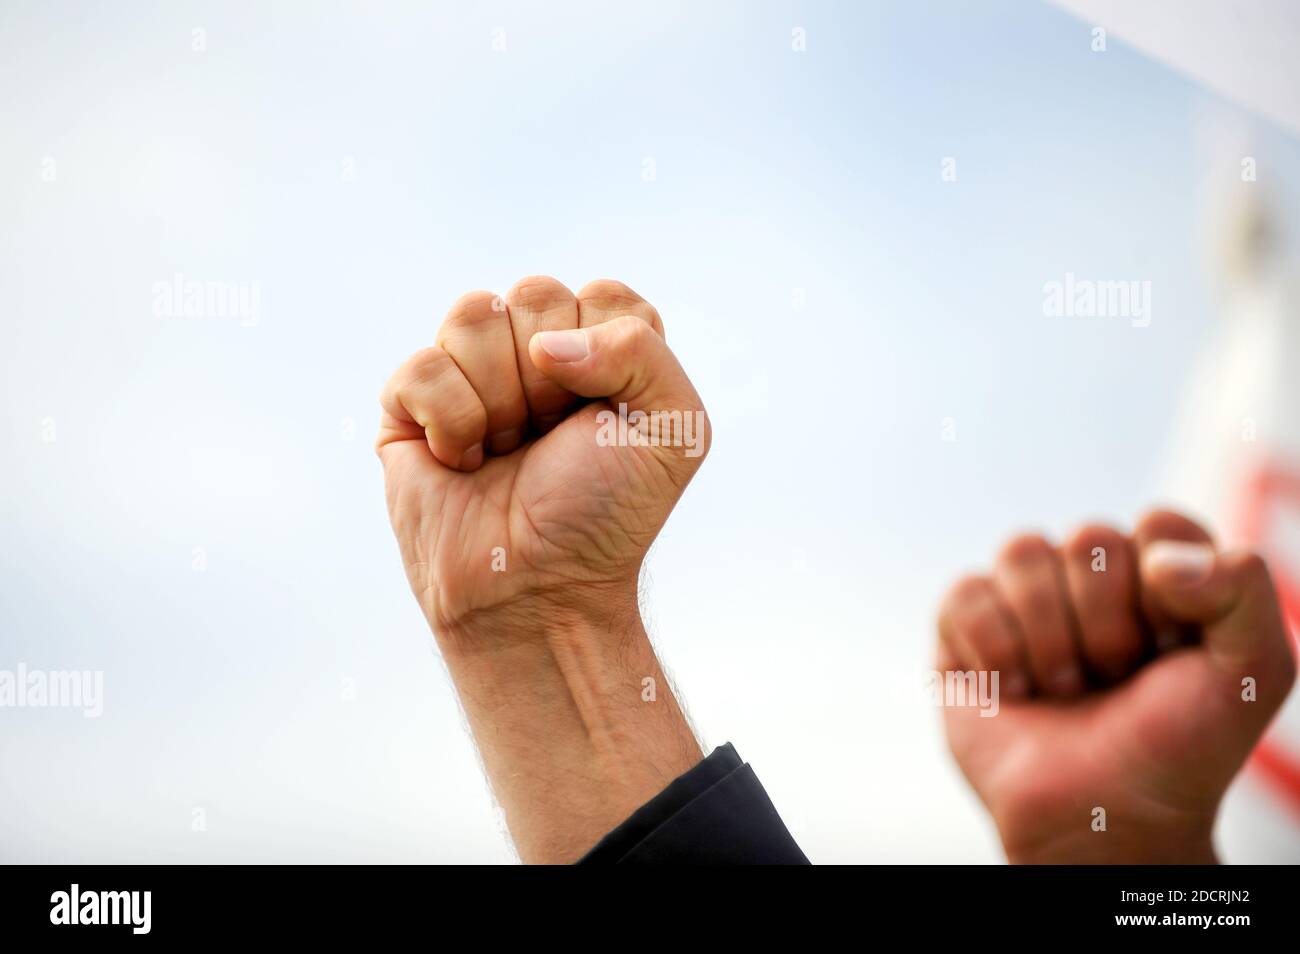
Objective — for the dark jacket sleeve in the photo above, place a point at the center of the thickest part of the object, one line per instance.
(715, 814)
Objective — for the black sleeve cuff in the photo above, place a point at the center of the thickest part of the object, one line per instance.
(715, 814)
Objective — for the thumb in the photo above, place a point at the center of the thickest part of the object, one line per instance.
(1230, 596)
(626, 361)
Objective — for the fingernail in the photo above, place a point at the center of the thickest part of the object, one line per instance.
(564, 346)
(1067, 681)
(471, 458)
(503, 442)
(1180, 562)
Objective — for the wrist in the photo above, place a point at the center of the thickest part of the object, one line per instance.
(538, 615)
(575, 721)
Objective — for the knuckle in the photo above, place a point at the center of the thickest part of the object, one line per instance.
(458, 415)
(404, 392)
(425, 373)
(418, 368)
(472, 310)
(608, 292)
(538, 293)
(1024, 548)
(1252, 568)
(965, 593)
(432, 384)
(631, 333)
(1156, 515)
(466, 420)
(1161, 522)
(1083, 540)
(609, 295)
(424, 365)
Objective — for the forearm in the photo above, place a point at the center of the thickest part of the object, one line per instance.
(575, 723)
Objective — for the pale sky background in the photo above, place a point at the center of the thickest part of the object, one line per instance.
(365, 164)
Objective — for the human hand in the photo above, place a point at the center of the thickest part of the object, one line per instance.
(499, 488)
(523, 503)
(1126, 688)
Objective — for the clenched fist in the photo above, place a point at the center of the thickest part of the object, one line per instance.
(1136, 674)
(511, 479)
(530, 458)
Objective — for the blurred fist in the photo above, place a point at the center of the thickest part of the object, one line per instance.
(1135, 675)
(532, 454)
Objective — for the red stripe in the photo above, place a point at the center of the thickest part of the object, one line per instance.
(1279, 770)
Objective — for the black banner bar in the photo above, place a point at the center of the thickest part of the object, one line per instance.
(96, 903)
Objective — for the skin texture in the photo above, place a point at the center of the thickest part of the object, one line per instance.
(523, 537)
(1121, 688)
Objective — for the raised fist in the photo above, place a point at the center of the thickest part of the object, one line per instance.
(1135, 675)
(533, 453)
